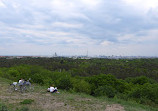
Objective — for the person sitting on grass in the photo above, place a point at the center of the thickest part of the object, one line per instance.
(52, 89)
(21, 81)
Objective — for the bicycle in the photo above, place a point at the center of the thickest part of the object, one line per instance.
(27, 87)
(21, 87)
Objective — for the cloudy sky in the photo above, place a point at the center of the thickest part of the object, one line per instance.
(73, 27)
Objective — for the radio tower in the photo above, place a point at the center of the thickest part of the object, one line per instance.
(55, 55)
(87, 53)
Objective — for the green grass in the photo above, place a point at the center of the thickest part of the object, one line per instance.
(4, 81)
(129, 105)
(3, 107)
(27, 101)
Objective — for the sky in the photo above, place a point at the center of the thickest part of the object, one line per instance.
(79, 27)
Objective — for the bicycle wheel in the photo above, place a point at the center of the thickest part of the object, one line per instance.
(23, 89)
(30, 88)
(11, 88)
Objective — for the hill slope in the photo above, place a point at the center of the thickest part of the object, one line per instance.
(64, 101)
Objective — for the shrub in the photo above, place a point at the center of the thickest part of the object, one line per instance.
(61, 79)
(102, 80)
(55, 76)
(65, 82)
(140, 80)
(122, 86)
(13, 74)
(145, 92)
(37, 78)
(105, 91)
(108, 80)
(24, 71)
(81, 86)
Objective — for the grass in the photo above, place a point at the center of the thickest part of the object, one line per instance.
(41, 100)
(27, 101)
(3, 107)
(130, 105)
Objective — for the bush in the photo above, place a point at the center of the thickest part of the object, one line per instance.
(105, 91)
(61, 79)
(65, 82)
(146, 92)
(102, 80)
(140, 80)
(55, 76)
(81, 86)
(108, 80)
(38, 78)
(122, 86)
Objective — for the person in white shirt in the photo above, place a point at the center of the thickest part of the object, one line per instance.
(21, 81)
(48, 90)
(52, 89)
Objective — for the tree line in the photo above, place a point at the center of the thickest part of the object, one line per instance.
(121, 68)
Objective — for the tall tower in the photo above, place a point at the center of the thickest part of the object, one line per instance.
(55, 55)
(87, 53)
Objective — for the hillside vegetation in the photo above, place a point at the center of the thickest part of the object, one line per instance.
(121, 68)
(131, 80)
(40, 100)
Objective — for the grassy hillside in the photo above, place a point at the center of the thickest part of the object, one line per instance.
(40, 100)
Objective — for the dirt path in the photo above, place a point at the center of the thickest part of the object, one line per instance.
(114, 107)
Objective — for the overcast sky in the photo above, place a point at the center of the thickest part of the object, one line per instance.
(73, 27)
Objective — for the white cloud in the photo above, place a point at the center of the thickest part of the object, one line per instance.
(66, 25)
(106, 43)
(64, 8)
(150, 36)
(2, 4)
(91, 4)
(25, 33)
(143, 37)
(143, 5)
(127, 38)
